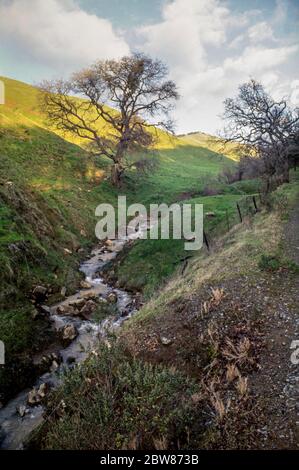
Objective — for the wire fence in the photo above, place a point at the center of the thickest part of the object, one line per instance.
(246, 207)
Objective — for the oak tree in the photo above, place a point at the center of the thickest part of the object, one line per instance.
(115, 105)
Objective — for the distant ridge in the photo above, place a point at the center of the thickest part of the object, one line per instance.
(212, 142)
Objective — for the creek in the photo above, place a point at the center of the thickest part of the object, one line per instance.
(15, 428)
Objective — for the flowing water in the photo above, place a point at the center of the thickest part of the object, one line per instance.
(15, 429)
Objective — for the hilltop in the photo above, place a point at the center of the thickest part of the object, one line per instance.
(216, 144)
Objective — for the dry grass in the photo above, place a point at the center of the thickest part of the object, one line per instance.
(235, 254)
(239, 352)
(232, 372)
(242, 386)
(161, 444)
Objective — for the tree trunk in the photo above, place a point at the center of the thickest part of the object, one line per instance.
(286, 174)
(116, 174)
(267, 185)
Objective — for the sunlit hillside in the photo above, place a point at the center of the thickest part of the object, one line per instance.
(22, 107)
(211, 142)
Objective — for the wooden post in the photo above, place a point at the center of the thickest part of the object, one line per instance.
(254, 202)
(206, 240)
(239, 210)
(227, 220)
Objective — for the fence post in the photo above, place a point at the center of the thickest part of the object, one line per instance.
(239, 210)
(206, 240)
(254, 202)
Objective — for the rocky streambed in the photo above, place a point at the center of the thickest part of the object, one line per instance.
(80, 332)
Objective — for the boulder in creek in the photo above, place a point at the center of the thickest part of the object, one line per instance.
(69, 333)
(65, 310)
(45, 363)
(54, 366)
(78, 303)
(22, 410)
(88, 296)
(88, 308)
(63, 291)
(115, 248)
(40, 293)
(36, 395)
(85, 285)
(44, 309)
(112, 298)
(43, 388)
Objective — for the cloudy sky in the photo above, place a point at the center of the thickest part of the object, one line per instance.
(210, 46)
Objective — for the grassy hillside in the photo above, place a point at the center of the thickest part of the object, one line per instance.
(49, 188)
(211, 142)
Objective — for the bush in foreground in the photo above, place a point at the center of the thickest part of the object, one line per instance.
(113, 401)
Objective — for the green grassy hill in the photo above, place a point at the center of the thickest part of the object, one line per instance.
(49, 188)
(211, 142)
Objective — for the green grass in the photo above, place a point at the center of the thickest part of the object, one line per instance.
(149, 263)
(130, 405)
(180, 170)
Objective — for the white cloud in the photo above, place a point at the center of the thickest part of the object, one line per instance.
(260, 32)
(186, 28)
(211, 49)
(58, 33)
(256, 59)
(209, 46)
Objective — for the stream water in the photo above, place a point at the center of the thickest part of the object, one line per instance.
(14, 428)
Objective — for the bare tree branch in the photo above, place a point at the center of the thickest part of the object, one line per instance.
(265, 128)
(112, 105)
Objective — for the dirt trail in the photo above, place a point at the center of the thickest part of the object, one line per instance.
(277, 383)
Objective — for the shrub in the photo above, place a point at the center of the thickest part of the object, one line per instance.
(273, 263)
(113, 401)
(269, 263)
(211, 191)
